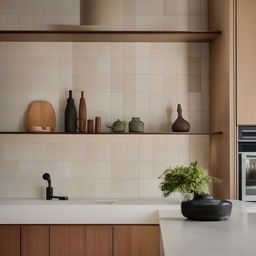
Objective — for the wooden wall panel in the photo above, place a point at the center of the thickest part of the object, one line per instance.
(246, 62)
(35, 241)
(10, 240)
(136, 241)
(222, 95)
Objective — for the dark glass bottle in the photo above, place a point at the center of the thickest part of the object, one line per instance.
(70, 115)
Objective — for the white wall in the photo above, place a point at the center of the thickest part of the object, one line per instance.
(120, 80)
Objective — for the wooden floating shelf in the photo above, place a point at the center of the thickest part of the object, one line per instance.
(107, 36)
(116, 133)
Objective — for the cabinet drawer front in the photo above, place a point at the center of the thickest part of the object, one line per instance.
(10, 240)
(136, 241)
(67, 241)
(99, 241)
(35, 241)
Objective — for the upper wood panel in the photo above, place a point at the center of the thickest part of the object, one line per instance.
(246, 62)
(106, 36)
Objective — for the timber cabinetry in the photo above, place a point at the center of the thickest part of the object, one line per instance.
(9, 241)
(35, 241)
(246, 62)
(80, 240)
(136, 241)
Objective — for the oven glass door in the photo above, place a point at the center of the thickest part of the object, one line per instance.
(249, 176)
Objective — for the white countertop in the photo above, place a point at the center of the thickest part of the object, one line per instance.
(181, 237)
(234, 237)
(83, 211)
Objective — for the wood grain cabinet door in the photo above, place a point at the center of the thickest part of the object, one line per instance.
(99, 241)
(10, 241)
(81, 241)
(35, 241)
(136, 241)
(67, 241)
(246, 62)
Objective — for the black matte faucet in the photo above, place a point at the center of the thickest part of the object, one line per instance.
(49, 189)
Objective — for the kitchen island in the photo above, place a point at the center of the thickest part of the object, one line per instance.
(236, 236)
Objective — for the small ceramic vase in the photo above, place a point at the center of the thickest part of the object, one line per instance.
(136, 125)
(180, 125)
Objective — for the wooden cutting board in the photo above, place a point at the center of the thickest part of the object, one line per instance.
(40, 113)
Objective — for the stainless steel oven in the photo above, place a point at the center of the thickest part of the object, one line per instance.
(247, 162)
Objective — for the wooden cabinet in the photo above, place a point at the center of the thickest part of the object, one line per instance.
(99, 241)
(81, 241)
(136, 241)
(10, 241)
(246, 62)
(35, 241)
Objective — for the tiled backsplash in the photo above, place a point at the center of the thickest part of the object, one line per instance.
(120, 80)
(138, 14)
(93, 165)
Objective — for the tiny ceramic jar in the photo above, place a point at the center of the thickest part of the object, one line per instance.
(136, 125)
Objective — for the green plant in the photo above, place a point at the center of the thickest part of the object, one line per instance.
(186, 179)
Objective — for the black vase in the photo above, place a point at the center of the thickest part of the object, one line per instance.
(180, 125)
(205, 208)
(70, 115)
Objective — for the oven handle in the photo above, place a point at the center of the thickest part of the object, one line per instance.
(249, 155)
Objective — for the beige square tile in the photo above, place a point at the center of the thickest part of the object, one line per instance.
(194, 7)
(195, 83)
(142, 49)
(17, 152)
(170, 7)
(91, 170)
(195, 119)
(116, 83)
(157, 65)
(151, 170)
(98, 152)
(129, 65)
(124, 170)
(38, 152)
(142, 65)
(104, 65)
(129, 83)
(142, 7)
(58, 151)
(142, 22)
(156, 7)
(149, 188)
(116, 65)
(124, 188)
(129, 49)
(142, 82)
(9, 169)
(124, 152)
(195, 22)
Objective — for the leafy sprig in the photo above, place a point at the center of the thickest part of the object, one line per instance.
(186, 179)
